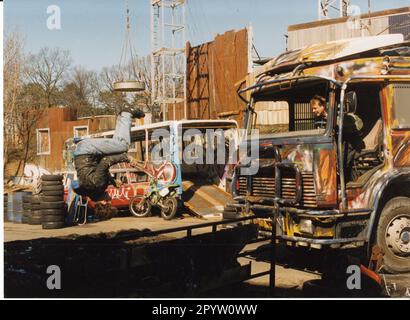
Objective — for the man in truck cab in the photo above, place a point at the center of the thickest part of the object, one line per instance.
(94, 157)
(352, 137)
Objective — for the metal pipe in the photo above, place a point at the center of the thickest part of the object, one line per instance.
(340, 148)
(258, 85)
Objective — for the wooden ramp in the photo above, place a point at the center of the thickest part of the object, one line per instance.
(204, 199)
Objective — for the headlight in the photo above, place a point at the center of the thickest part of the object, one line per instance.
(306, 226)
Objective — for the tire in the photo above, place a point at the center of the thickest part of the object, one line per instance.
(53, 225)
(51, 198)
(53, 188)
(140, 209)
(25, 218)
(170, 211)
(35, 199)
(53, 218)
(53, 193)
(393, 227)
(35, 206)
(54, 212)
(34, 220)
(37, 213)
(51, 183)
(52, 177)
(53, 205)
(27, 199)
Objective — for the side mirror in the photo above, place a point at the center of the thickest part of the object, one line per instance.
(350, 102)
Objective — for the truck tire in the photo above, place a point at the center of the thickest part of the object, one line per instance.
(55, 212)
(35, 199)
(51, 183)
(53, 225)
(53, 205)
(35, 218)
(393, 235)
(51, 177)
(35, 206)
(53, 193)
(51, 198)
(52, 188)
(53, 218)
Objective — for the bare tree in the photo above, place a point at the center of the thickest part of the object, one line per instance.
(12, 73)
(80, 92)
(30, 104)
(47, 69)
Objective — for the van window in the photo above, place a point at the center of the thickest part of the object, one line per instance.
(401, 112)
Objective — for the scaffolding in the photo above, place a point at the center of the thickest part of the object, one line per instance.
(332, 8)
(168, 57)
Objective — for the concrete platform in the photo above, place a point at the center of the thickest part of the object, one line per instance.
(17, 231)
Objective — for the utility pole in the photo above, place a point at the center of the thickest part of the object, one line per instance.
(328, 9)
(168, 57)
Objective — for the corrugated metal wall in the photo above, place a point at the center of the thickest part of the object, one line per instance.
(213, 69)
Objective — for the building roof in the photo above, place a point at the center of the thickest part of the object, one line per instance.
(326, 22)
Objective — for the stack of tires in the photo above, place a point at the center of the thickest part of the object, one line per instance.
(52, 202)
(26, 209)
(36, 216)
(6, 204)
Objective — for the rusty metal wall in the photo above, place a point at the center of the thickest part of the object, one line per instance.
(213, 69)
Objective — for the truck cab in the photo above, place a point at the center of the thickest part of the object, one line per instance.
(331, 188)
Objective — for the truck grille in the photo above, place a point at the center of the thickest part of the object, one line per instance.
(265, 187)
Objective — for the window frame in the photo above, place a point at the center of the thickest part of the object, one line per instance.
(394, 117)
(80, 127)
(41, 153)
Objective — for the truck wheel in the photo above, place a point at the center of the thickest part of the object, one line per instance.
(169, 208)
(393, 235)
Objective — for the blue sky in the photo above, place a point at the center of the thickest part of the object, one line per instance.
(93, 30)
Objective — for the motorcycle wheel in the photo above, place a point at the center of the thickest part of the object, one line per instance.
(169, 208)
(140, 209)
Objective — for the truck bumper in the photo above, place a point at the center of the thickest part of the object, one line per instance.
(314, 228)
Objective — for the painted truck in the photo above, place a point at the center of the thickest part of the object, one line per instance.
(301, 168)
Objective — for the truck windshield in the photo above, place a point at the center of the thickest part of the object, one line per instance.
(303, 107)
